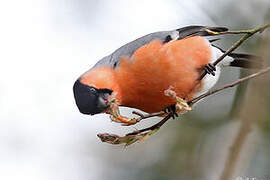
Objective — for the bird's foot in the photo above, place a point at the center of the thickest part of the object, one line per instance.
(181, 105)
(115, 116)
(171, 110)
(210, 69)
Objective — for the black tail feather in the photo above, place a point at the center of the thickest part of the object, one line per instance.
(213, 40)
(245, 63)
(244, 60)
(246, 56)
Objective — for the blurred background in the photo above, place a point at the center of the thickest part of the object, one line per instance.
(47, 44)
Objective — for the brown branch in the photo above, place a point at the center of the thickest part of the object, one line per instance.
(253, 112)
(193, 101)
(235, 150)
(146, 116)
(155, 126)
(248, 33)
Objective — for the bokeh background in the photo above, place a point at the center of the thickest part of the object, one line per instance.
(45, 45)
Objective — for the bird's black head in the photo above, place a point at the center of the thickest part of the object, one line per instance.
(90, 100)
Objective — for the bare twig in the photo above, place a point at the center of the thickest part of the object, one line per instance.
(253, 112)
(235, 150)
(146, 116)
(193, 101)
(155, 126)
(248, 33)
(115, 115)
(261, 29)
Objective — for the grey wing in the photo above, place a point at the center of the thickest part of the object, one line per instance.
(164, 36)
(128, 49)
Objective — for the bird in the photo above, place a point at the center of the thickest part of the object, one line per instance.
(139, 72)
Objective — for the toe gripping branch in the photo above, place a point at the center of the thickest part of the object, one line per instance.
(210, 69)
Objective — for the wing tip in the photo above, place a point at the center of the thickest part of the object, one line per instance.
(218, 29)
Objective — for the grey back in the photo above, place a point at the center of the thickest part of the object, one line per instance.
(164, 36)
(128, 49)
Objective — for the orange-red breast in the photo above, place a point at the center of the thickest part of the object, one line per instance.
(140, 71)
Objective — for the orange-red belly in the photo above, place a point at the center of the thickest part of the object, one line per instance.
(155, 67)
